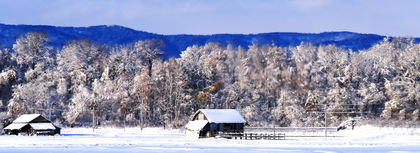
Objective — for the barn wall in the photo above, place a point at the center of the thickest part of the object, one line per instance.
(197, 118)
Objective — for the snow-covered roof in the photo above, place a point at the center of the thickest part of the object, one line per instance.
(42, 126)
(196, 125)
(223, 115)
(15, 126)
(26, 118)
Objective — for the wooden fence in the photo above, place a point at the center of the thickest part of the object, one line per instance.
(255, 136)
(296, 131)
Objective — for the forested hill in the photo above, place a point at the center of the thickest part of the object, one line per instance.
(174, 44)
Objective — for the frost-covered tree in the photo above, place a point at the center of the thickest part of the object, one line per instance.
(31, 49)
(172, 99)
(36, 93)
(80, 103)
(142, 92)
(113, 91)
(8, 75)
(403, 88)
(79, 64)
(272, 86)
(149, 50)
(82, 61)
(7, 59)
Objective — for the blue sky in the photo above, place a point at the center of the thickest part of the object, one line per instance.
(385, 17)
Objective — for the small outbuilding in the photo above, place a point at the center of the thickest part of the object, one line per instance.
(213, 122)
(32, 124)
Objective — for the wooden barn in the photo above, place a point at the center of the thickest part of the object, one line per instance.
(214, 122)
(31, 124)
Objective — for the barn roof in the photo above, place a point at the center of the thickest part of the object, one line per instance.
(15, 126)
(42, 126)
(223, 115)
(196, 125)
(26, 118)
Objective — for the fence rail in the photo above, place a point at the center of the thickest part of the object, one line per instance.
(295, 131)
(255, 136)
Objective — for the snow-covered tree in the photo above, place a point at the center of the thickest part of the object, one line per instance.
(79, 64)
(36, 93)
(149, 50)
(272, 86)
(31, 49)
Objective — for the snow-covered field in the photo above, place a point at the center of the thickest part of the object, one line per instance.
(362, 139)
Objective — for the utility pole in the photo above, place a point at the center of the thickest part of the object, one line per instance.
(93, 115)
(49, 110)
(325, 119)
(125, 116)
(141, 114)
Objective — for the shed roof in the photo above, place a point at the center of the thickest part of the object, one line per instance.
(42, 126)
(222, 115)
(26, 118)
(196, 125)
(15, 126)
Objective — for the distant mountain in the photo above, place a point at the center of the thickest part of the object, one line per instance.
(175, 44)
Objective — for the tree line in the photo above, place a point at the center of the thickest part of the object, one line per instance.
(270, 85)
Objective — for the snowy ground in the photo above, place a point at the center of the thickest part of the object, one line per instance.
(362, 139)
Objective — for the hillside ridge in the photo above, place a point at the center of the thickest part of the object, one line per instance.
(116, 35)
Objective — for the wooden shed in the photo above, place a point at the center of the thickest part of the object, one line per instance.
(213, 122)
(32, 124)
